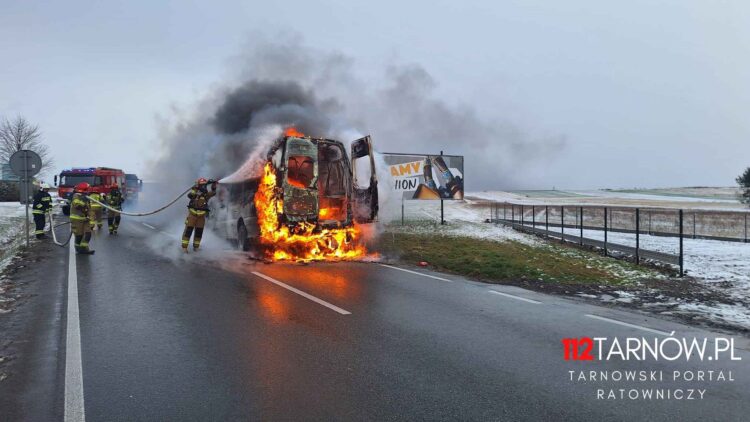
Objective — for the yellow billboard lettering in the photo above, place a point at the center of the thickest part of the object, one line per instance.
(404, 169)
(394, 171)
(415, 166)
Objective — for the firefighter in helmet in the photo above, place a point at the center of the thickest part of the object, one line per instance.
(80, 218)
(42, 205)
(197, 212)
(96, 210)
(114, 200)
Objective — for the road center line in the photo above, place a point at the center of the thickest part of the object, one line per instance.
(626, 324)
(515, 297)
(303, 294)
(74, 410)
(417, 273)
(149, 226)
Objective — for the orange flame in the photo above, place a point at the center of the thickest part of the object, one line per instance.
(304, 242)
(292, 131)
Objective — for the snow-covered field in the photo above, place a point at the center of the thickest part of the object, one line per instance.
(712, 260)
(12, 216)
(462, 218)
(609, 198)
(11, 220)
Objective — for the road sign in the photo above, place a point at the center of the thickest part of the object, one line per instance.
(25, 163)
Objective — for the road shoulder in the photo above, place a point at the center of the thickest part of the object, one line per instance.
(31, 347)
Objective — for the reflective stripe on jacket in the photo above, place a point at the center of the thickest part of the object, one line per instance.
(199, 201)
(79, 208)
(95, 196)
(42, 202)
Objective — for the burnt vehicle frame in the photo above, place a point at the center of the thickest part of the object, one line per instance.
(317, 183)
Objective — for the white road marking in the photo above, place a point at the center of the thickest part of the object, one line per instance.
(625, 324)
(74, 410)
(303, 294)
(515, 297)
(149, 226)
(417, 273)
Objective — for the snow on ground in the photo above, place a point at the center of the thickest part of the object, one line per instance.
(711, 260)
(462, 219)
(721, 266)
(12, 216)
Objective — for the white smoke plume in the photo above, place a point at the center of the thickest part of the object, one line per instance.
(276, 84)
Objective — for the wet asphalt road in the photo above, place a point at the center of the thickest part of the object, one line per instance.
(199, 338)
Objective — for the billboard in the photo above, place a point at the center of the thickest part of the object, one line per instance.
(418, 176)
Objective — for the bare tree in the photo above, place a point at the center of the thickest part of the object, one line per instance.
(20, 134)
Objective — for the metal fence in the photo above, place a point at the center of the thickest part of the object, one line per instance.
(568, 223)
(731, 226)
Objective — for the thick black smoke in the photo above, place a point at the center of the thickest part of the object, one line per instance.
(243, 105)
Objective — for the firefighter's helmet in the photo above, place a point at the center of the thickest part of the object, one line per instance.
(83, 187)
(201, 181)
(115, 186)
(43, 186)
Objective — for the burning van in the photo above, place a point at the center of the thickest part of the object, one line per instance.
(308, 202)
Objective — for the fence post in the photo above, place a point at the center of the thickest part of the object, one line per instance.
(638, 236)
(649, 223)
(512, 214)
(693, 224)
(682, 256)
(505, 209)
(562, 224)
(745, 227)
(546, 220)
(533, 216)
(442, 216)
(581, 212)
(522, 222)
(605, 231)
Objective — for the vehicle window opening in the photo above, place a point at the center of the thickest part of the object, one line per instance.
(332, 183)
(300, 171)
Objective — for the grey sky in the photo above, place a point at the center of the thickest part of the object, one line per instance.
(645, 93)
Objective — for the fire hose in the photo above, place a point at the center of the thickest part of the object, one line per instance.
(134, 214)
(54, 235)
(141, 214)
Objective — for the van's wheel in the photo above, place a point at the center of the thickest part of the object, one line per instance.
(243, 242)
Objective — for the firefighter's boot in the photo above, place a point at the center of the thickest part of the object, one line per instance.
(197, 238)
(186, 238)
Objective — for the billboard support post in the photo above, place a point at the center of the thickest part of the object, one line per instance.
(402, 210)
(442, 214)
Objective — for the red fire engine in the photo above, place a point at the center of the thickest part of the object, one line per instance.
(101, 180)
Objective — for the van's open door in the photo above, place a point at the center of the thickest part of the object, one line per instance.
(365, 195)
